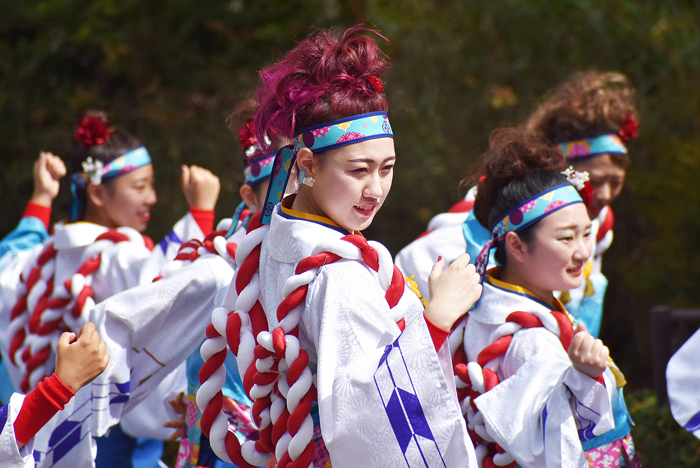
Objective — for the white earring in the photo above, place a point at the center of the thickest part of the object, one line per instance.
(303, 179)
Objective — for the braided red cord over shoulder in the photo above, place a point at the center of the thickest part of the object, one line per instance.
(278, 378)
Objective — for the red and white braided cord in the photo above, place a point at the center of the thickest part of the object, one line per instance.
(476, 378)
(45, 310)
(278, 378)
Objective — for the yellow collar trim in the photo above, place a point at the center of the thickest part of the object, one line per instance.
(493, 275)
(286, 207)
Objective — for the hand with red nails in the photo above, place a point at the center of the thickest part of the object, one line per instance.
(80, 358)
(588, 355)
(452, 292)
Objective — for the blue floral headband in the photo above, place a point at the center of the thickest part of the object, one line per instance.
(526, 214)
(96, 171)
(603, 144)
(319, 138)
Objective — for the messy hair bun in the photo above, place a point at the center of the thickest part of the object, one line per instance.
(324, 78)
(586, 105)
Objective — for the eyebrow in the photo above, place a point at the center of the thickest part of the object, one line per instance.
(370, 160)
(573, 226)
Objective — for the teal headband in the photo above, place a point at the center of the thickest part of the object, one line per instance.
(320, 138)
(603, 144)
(526, 214)
(258, 168)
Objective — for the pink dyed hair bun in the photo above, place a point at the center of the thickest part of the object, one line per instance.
(324, 78)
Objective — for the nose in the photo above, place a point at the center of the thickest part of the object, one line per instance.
(583, 248)
(373, 188)
(152, 198)
(603, 194)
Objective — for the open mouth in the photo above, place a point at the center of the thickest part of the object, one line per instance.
(575, 271)
(365, 210)
(144, 216)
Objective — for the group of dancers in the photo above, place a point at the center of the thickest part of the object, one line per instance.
(282, 337)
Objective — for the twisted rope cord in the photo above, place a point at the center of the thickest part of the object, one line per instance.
(476, 378)
(277, 378)
(44, 311)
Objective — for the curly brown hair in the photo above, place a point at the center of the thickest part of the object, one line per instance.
(588, 104)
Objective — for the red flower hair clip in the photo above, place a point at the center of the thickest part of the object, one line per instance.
(247, 136)
(92, 131)
(630, 127)
(376, 82)
(587, 193)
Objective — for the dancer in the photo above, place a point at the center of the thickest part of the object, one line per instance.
(546, 394)
(52, 286)
(342, 363)
(169, 316)
(79, 359)
(683, 383)
(589, 118)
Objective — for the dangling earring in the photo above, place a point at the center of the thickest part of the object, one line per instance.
(303, 179)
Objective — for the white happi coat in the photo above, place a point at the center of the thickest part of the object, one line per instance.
(11, 456)
(542, 401)
(683, 381)
(372, 379)
(443, 237)
(150, 331)
(65, 441)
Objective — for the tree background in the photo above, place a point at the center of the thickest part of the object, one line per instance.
(171, 71)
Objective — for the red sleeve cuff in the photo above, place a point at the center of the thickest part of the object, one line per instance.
(437, 334)
(601, 380)
(41, 212)
(40, 405)
(204, 219)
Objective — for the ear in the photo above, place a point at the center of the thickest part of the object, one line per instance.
(248, 195)
(306, 162)
(97, 194)
(517, 249)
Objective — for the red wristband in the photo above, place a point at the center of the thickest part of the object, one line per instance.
(437, 334)
(41, 212)
(40, 405)
(204, 218)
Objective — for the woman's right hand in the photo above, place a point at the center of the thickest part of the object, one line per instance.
(452, 292)
(588, 355)
(48, 170)
(201, 187)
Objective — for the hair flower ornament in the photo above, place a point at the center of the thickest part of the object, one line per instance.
(376, 82)
(630, 127)
(92, 131)
(581, 181)
(94, 170)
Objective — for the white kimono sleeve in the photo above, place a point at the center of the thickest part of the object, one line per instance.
(11, 456)
(683, 380)
(384, 398)
(150, 330)
(537, 411)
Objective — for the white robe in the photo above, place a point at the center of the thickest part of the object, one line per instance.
(683, 381)
(386, 397)
(11, 456)
(65, 440)
(542, 402)
(150, 331)
(443, 237)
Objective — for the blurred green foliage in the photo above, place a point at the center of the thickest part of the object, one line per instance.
(171, 71)
(658, 438)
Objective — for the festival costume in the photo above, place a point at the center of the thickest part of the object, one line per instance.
(10, 455)
(106, 261)
(320, 318)
(682, 378)
(543, 412)
(443, 238)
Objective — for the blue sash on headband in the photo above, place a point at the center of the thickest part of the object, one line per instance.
(319, 138)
